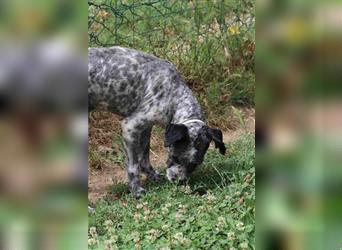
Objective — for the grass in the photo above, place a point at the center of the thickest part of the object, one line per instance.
(215, 210)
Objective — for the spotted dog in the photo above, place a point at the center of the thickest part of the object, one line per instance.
(146, 90)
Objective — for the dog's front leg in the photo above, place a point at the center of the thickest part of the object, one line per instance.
(134, 154)
(146, 167)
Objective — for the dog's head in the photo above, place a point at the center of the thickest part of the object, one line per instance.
(187, 146)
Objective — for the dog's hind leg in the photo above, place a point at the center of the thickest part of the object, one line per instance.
(132, 135)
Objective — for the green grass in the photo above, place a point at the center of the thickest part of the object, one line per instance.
(215, 210)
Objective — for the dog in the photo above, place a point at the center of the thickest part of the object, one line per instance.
(146, 90)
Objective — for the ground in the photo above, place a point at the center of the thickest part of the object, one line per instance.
(215, 209)
(107, 169)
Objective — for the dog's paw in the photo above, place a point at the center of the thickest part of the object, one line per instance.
(138, 192)
(156, 177)
(152, 174)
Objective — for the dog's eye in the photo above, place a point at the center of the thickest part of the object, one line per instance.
(198, 142)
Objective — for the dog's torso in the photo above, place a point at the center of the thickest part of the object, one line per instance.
(128, 82)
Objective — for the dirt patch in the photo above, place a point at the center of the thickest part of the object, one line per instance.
(247, 125)
(99, 181)
(104, 127)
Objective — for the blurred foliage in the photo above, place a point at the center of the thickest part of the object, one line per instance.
(299, 125)
(36, 19)
(43, 174)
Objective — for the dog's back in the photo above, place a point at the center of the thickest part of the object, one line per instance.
(119, 79)
(114, 75)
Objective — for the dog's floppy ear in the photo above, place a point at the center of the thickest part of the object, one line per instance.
(175, 133)
(217, 137)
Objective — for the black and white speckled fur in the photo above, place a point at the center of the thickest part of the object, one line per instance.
(146, 90)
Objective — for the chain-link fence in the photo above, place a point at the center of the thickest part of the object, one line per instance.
(161, 24)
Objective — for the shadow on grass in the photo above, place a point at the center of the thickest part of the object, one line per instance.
(209, 176)
(217, 171)
(212, 175)
(116, 191)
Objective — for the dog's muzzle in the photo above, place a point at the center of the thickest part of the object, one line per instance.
(176, 173)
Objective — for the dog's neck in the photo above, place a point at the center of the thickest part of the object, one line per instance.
(186, 107)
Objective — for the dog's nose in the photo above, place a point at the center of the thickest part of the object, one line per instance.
(173, 179)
